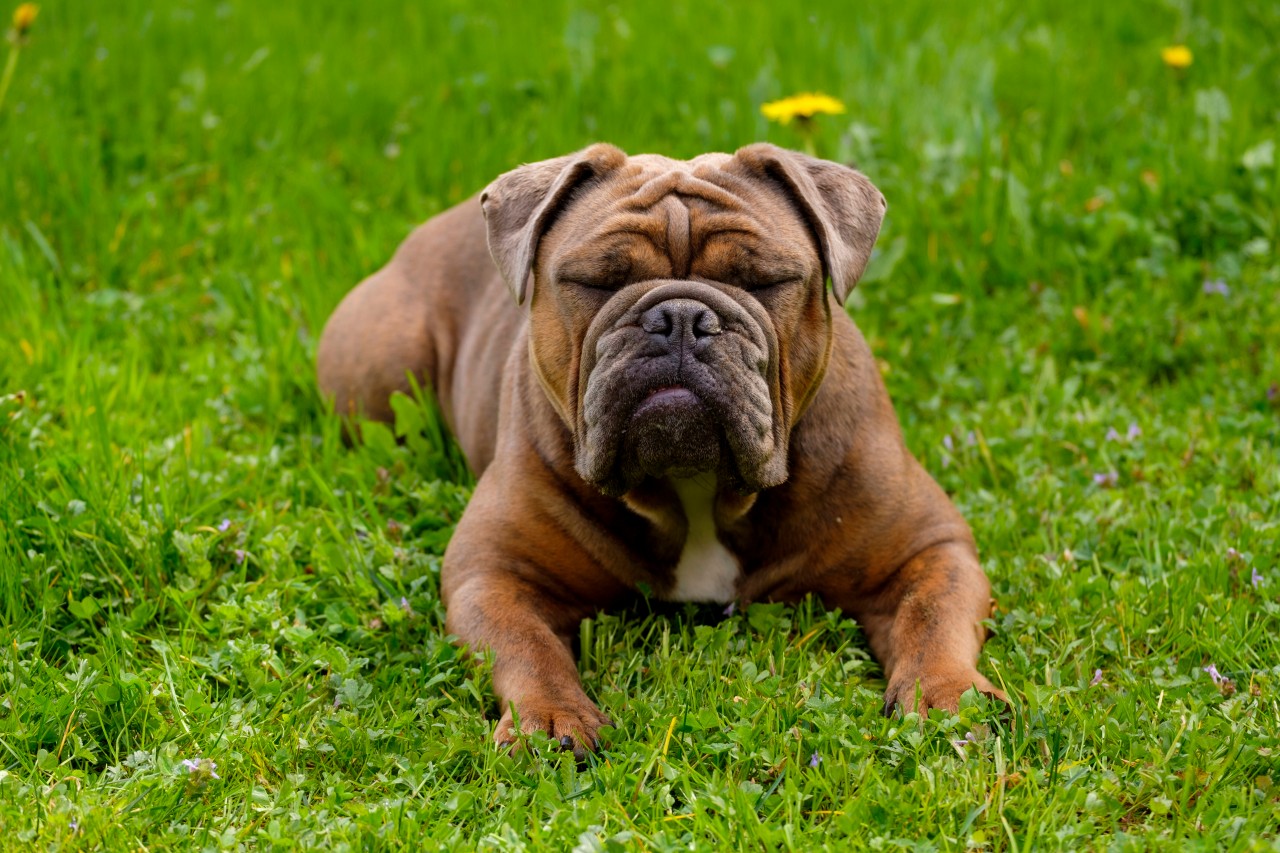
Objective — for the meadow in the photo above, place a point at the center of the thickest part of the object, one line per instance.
(220, 626)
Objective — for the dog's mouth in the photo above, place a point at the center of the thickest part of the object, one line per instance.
(672, 433)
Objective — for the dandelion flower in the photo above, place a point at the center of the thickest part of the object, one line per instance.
(806, 105)
(23, 17)
(1176, 56)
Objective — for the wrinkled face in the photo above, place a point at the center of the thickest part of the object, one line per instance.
(680, 323)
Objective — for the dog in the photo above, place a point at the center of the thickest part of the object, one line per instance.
(644, 366)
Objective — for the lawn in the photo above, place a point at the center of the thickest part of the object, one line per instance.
(220, 627)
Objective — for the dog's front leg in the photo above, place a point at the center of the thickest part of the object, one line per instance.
(529, 630)
(924, 625)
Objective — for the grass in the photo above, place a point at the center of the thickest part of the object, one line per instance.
(194, 568)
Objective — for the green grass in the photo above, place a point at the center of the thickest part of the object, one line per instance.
(186, 191)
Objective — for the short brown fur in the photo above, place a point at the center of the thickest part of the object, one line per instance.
(823, 499)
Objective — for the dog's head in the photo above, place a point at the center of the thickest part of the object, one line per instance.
(679, 317)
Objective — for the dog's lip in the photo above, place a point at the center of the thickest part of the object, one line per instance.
(670, 392)
(672, 396)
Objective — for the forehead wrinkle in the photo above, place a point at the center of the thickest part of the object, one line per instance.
(709, 226)
(708, 192)
(684, 183)
(653, 191)
(679, 235)
(712, 232)
(634, 225)
(728, 239)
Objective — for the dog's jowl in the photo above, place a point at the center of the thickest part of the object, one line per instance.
(646, 369)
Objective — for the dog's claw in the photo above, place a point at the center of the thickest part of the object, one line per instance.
(571, 728)
(912, 694)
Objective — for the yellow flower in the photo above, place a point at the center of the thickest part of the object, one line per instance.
(23, 17)
(805, 105)
(1176, 56)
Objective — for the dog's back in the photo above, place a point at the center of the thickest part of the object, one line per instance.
(439, 311)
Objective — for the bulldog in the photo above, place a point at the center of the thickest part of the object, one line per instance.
(645, 367)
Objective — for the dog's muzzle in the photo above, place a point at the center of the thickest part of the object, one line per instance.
(679, 378)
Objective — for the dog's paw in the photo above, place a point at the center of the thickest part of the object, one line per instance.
(935, 690)
(574, 725)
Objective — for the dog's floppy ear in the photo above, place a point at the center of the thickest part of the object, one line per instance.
(519, 205)
(843, 208)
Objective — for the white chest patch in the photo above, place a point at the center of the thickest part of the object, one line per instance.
(706, 571)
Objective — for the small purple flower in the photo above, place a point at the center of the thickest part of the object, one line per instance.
(200, 765)
(948, 443)
(1106, 479)
(1233, 554)
(1112, 435)
(1216, 285)
(406, 606)
(965, 741)
(815, 760)
(1256, 578)
(1217, 677)
(1097, 678)
(971, 439)
(240, 555)
(1135, 431)
(731, 609)
(224, 525)
(75, 825)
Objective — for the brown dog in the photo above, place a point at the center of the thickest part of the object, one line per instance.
(682, 405)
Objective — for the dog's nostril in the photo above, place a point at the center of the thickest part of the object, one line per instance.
(656, 321)
(707, 324)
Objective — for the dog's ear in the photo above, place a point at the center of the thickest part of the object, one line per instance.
(519, 206)
(843, 208)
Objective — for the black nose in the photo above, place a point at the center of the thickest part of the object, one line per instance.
(677, 318)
